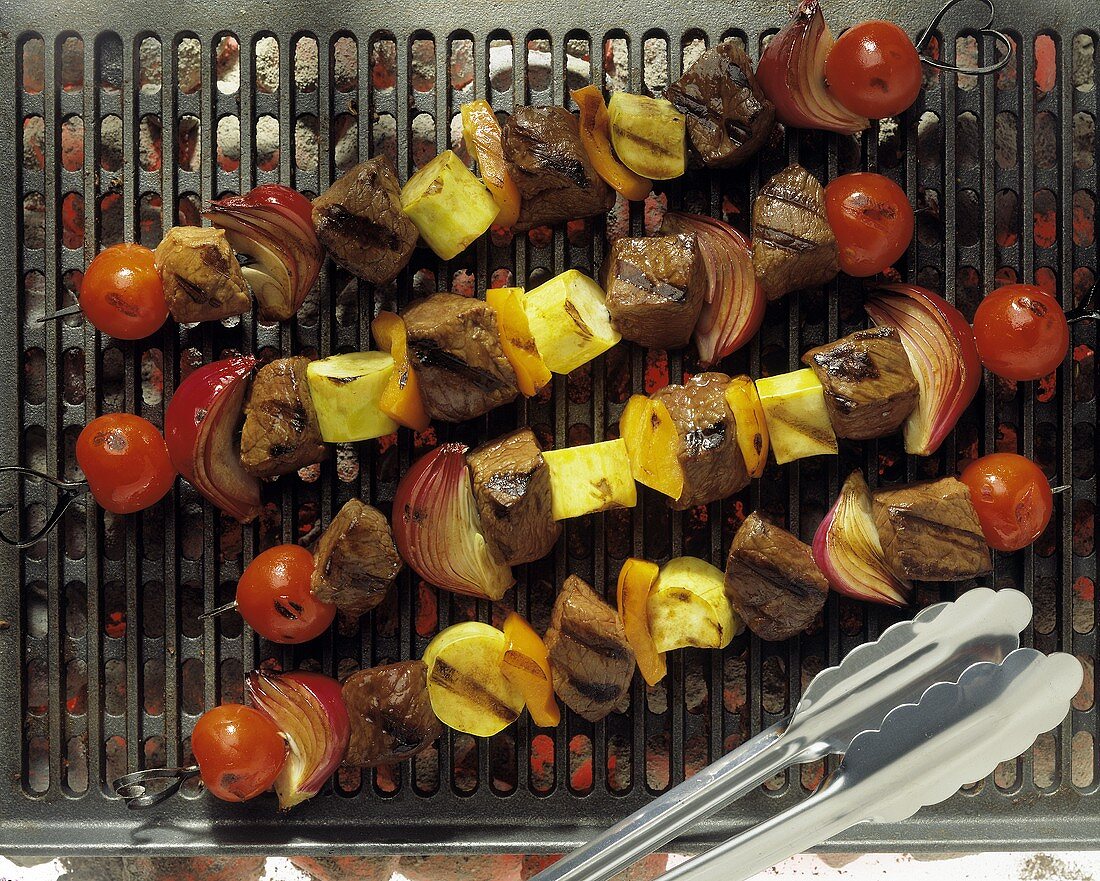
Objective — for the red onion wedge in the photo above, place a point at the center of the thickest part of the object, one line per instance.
(438, 530)
(942, 353)
(848, 550)
(201, 429)
(792, 74)
(734, 305)
(309, 710)
(272, 226)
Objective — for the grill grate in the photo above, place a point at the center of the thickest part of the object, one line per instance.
(129, 118)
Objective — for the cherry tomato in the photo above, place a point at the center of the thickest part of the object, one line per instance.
(239, 751)
(874, 70)
(1021, 332)
(1012, 497)
(125, 461)
(122, 294)
(275, 597)
(872, 220)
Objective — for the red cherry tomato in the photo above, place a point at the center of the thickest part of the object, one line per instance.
(125, 461)
(1021, 332)
(872, 220)
(1012, 497)
(239, 751)
(874, 70)
(122, 294)
(275, 597)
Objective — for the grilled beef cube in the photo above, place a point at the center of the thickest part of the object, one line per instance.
(512, 489)
(772, 580)
(281, 433)
(454, 347)
(728, 116)
(359, 219)
(793, 245)
(548, 162)
(709, 454)
(391, 716)
(355, 560)
(590, 659)
(200, 274)
(655, 289)
(930, 531)
(868, 380)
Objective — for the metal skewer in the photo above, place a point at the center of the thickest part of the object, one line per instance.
(840, 702)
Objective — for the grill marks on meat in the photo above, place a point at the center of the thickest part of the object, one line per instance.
(655, 289)
(454, 346)
(728, 117)
(355, 560)
(512, 490)
(793, 245)
(709, 454)
(591, 661)
(547, 161)
(772, 580)
(391, 715)
(869, 385)
(930, 531)
(201, 277)
(359, 219)
(280, 433)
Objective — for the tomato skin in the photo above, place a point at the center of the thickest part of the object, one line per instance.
(275, 597)
(125, 461)
(1021, 331)
(1012, 497)
(872, 220)
(874, 70)
(122, 294)
(239, 751)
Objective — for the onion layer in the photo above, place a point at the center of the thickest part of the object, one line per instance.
(792, 74)
(272, 226)
(848, 550)
(943, 355)
(733, 309)
(309, 710)
(438, 530)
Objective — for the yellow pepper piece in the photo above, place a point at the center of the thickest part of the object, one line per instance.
(400, 399)
(481, 132)
(516, 339)
(636, 578)
(595, 127)
(752, 429)
(526, 665)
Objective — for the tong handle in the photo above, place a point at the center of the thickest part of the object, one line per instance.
(654, 825)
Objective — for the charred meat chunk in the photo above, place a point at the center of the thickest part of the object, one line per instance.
(355, 560)
(200, 274)
(391, 716)
(281, 433)
(454, 347)
(868, 381)
(772, 580)
(512, 490)
(655, 289)
(793, 245)
(709, 454)
(930, 531)
(590, 659)
(359, 219)
(728, 117)
(546, 159)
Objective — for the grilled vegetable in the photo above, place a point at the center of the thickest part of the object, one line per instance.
(595, 130)
(648, 135)
(347, 390)
(591, 478)
(355, 561)
(122, 293)
(281, 433)
(652, 442)
(449, 206)
(798, 422)
(526, 665)
(276, 599)
(201, 276)
(391, 715)
(466, 682)
(239, 750)
(401, 399)
(516, 339)
(569, 320)
(752, 427)
(636, 579)
(1012, 498)
(481, 132)
(687, 606)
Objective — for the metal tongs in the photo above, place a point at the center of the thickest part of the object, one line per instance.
(841, 702)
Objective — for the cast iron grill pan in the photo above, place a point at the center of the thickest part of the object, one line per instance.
(127, 117)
